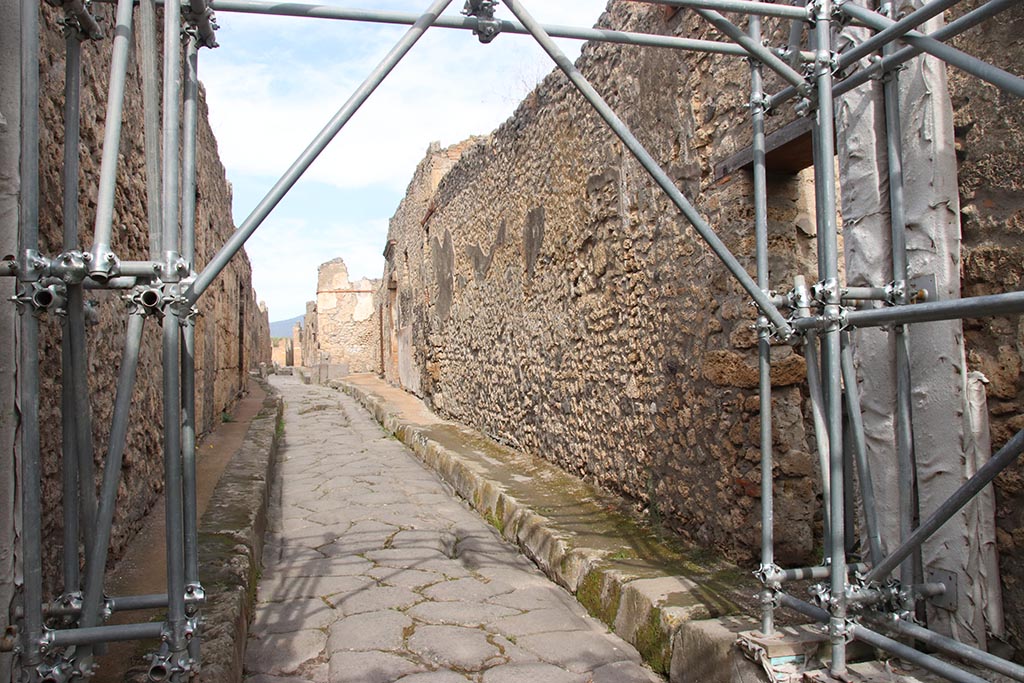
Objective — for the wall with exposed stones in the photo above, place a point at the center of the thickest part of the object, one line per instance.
(581, 318)
(232, 333)
(342, 326)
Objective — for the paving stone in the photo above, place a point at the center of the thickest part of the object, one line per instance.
(465, 613)
(434, 677)
(283, 654)
(343, 565)
(263, 678)
(369, 667)
(369, 631)
(579, 652)
(436, 540)
(286, 588)
(532, 673)
(531, 597)
(467, 649)
(376, 599)
(413, 579)
(405, 557)
(541, 621)
(470, 589)
(294, 615)
(625, 672)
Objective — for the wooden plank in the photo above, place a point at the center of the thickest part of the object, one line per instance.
(788, 150)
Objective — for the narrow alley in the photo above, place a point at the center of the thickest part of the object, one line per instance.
(374, 571)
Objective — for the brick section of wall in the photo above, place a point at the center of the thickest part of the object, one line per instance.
(232, 334)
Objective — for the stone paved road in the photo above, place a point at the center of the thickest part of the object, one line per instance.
(375, 572)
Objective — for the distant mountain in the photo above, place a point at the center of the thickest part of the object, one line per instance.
(283, 328)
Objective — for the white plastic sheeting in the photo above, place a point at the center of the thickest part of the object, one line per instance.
(938, 367)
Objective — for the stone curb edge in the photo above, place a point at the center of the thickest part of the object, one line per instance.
(675, 641)
(231, 536)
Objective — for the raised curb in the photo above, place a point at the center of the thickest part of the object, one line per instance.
(231, 534)
(641, 602)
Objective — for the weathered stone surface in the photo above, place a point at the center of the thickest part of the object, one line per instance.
(587, 309)
(342, 327)
(582, 319)
(706, 651)
(231, 535)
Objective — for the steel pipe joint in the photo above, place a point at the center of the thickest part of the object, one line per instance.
(103, 263)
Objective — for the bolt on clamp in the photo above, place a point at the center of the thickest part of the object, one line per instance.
(488, 27)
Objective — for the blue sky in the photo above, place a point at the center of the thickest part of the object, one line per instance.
(275, 81)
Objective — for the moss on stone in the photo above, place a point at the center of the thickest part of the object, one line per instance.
(591, 594)
(653, 643)
(495, 520)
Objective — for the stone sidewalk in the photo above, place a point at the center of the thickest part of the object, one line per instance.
(374, 571)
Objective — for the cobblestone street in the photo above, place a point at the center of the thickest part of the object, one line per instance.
(374, 571)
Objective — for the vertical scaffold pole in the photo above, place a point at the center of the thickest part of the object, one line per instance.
(151, 121)
(173, 666)
(905, 460)
(69, 408)
(828, 253)
(28, 371)
(188, 362)
(763, 344)
(78, 420)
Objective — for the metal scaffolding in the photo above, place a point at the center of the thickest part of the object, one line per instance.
(857, 602)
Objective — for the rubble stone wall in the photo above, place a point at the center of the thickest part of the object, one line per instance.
(547, 293)
(582, 319)
(232, 334)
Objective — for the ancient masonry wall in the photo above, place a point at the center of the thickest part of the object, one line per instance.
(580, 317)
(232, 335)
(342, 326)
(548, 294)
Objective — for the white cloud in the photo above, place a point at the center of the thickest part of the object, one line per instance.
(267, 102)
(276, 81)
(286, 254)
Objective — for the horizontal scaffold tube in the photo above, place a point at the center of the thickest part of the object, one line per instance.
(87, 24)
(763, 9)
(953, 647)
(805, 573)
(1008, 303)
(105, 634)
(297, 9)
(890, 62)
